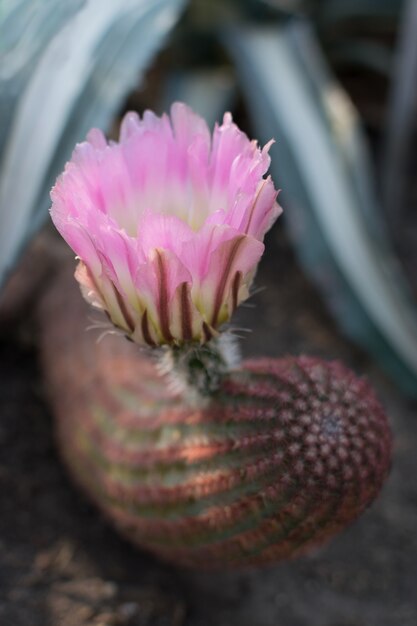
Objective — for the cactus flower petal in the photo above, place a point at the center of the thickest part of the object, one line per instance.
(168, 223)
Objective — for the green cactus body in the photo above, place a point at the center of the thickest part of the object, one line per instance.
(281, 458)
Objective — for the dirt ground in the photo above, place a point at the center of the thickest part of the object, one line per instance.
(62, 565)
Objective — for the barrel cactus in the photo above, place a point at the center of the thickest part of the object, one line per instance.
(286, 453)
(201, 459)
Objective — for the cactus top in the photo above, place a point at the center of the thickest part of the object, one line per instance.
(168, 223)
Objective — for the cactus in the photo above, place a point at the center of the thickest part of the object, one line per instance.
(285, 454)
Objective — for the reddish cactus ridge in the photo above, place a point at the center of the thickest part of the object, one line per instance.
(286, 454)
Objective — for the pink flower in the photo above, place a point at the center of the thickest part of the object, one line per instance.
(168, 223)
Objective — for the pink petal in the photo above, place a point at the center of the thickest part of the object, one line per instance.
(162, 231)
(119, 260)
(188, 126)
(230, 263)
(157, 281)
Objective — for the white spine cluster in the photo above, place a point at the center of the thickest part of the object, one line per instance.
(195, 370)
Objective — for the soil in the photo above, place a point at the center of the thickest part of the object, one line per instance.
(62, 565)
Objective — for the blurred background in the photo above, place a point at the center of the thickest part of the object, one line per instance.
(334, 82)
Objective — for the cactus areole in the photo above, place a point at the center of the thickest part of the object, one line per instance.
(201, 459)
